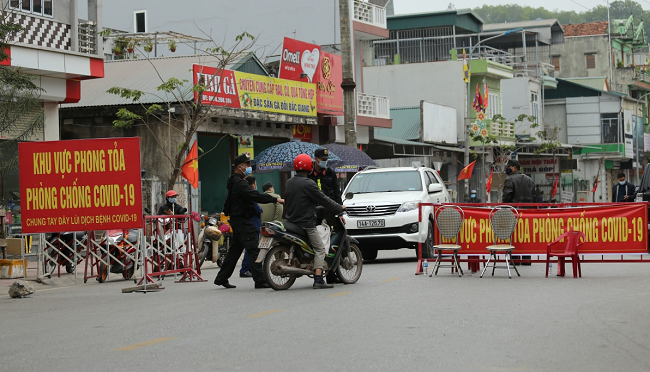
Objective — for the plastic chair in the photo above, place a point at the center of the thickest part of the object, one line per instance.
(571, 250)
(448, 220)
(503, 220)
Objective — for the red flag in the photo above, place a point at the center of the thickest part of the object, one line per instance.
(488, 184)
(555, 187)
(466, 173)
(485, 99)
(477, 100)
(190, 168)
(595, 185)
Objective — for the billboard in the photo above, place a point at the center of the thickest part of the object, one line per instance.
(302, 61)
(80, 185)
(236, 89)
(438, 123)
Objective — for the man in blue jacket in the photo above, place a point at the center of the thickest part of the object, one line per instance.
(623, 192)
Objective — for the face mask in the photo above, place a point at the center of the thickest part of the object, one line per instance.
(473, 195)
(621, 182)
(248, 171)
(508, 170)
(322, 163)
(172, 200)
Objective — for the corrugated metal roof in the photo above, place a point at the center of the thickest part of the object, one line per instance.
(523, 24)
(402, 141)
(406, 124)
(596, 82)
(145, 75)
(464, 18)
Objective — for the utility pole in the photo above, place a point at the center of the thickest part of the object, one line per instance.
(348, 85)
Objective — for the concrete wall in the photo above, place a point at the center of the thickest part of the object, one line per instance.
(555, 116)
(573, 62)
(516, 98)
(406, 85)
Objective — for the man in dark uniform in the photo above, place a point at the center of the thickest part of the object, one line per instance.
(327, 182)
(240, 207)
(518, 188)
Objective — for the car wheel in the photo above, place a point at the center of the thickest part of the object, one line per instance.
(368, 253)
(427, 247)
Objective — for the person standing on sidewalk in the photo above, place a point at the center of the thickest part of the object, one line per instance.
(623, 192)
(272, 211)
(240, 207)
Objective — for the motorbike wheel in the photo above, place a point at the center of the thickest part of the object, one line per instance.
(103, 273)
(278, 255)
(203, 252)
(69, 268)
(350, 265)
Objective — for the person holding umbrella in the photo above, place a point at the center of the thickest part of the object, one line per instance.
(325, 178)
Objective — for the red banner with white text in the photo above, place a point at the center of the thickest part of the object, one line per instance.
(80, 185)
(610, 229)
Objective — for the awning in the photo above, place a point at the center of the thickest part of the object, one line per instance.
(447, 148)
(406, 147)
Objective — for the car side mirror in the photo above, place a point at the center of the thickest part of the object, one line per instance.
(435, 188)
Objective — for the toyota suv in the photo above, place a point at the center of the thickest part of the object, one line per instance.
(382, 206)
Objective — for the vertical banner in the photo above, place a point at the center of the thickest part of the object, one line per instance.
(80, 185)
(628, 126)
(245, 145)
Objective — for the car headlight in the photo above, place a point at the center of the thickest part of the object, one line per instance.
(408, 206)
(212, 221)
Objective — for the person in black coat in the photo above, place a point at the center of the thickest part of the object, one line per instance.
(623, 192)
(240, 206)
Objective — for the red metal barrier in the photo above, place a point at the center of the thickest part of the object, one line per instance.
(169, 248)
(473, 259)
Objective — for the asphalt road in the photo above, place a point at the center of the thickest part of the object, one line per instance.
(390, 320)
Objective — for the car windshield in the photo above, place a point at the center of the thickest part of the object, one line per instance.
(386, 182)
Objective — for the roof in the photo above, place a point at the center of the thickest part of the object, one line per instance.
(146, 75)
(595, 82)
(586, 29)
(402, 142)
(406, 124)
(524, 24)
(567, 88)
(462, 18)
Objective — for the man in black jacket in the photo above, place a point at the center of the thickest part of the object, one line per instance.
(518, 187)
(623, 192)
(325, 178)
(240, 207)
(303, 195)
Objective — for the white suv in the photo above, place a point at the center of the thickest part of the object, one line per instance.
(382, 206)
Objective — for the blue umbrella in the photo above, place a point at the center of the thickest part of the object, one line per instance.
(352, 157)
(280, 157)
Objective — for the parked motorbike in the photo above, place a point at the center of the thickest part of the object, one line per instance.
(287, 255)
(65, 244)
(217, 228)
(118, 261)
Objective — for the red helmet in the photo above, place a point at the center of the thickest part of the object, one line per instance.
(171, 193)
(303, 162)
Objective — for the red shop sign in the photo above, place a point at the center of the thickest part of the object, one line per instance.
(80, 185)
(303, 132)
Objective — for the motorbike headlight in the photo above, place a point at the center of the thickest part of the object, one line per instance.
(212, 221)
(408, 206)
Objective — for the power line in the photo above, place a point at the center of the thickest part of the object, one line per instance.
(580, 4)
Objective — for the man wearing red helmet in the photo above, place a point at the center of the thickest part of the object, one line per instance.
(171, 207)
(302, 195)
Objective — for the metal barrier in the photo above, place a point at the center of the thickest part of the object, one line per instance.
(474, 259)
(57, 251)
(169, 248)
(117, 252)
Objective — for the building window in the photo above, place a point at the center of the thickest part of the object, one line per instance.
(493, 105)
(609, 125)
(140, 21)
(591, 61)
(534, 104)
(40, 7)
(555, 61)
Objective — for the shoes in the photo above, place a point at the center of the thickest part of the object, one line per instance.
(224, 284)
(322, 285)
(246, 274)
(334, 280)
(262, 285)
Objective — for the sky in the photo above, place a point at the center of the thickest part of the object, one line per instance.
(418, 6)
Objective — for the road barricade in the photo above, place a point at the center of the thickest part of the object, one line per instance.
(169, 248)
(113, 251)
(615, 231)
(63, 249)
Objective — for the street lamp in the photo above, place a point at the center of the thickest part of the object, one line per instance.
(636, 112)
(469, 106)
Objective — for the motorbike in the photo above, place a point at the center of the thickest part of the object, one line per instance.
(287, 255)
(215, 227)
(119, 262)
(65, 256)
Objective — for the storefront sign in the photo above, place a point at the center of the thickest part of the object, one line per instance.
(80, 185)
(302, 132)
(254, 92)
(302, 61)
(539, 165)
(245, 146)
(613, 229)
(628, 125)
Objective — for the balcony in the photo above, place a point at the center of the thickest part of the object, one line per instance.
(502, 130)
(373, 106)
(87, 37)
(370, 13)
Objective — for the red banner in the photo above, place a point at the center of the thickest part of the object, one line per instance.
(302, 61)
(80, 185)
(615, 228)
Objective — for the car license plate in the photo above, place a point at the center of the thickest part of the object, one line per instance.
(265, 242)
(371, 223)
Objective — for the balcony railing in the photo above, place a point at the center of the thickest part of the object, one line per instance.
(502, 129)
(373, 106)
(370, 13)
(87, 37)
